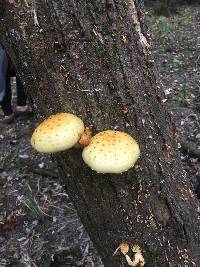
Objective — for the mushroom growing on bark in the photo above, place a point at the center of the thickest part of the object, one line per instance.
(57, 133)
(106, 152)
(137, 259)
(111, 152)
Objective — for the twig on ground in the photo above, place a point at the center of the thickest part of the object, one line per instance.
(43, 172)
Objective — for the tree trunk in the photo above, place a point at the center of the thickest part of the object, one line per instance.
(92, 58)
(169, 7)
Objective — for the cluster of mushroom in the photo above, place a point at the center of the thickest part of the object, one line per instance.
(107, 152)
(138, 258)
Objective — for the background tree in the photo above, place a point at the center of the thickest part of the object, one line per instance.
(92, 58)
(168, 7)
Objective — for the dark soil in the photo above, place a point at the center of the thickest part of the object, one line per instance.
(38, 224)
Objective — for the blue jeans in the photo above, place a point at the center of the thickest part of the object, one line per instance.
(3, 72)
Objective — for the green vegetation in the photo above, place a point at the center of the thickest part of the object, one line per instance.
(165, 27)
(46, 261)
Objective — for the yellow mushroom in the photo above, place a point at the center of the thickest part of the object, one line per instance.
(57, 133)
(111, 152)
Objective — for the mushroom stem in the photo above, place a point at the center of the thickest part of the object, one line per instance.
(85, 137)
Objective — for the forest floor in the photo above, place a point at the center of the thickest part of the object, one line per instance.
(38, 224)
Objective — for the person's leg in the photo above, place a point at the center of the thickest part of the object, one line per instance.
(22, 108)
(5, 85)
(6, 102)
(21, 96)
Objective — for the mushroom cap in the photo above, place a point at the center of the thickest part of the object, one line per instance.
(111, 152)
(57, 133)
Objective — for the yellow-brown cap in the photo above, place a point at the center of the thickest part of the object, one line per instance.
(57, 133)
(111, 152)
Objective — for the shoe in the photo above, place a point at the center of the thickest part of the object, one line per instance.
(7, 119)
(23, 111)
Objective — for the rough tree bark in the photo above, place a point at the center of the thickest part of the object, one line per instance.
(92, 58)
